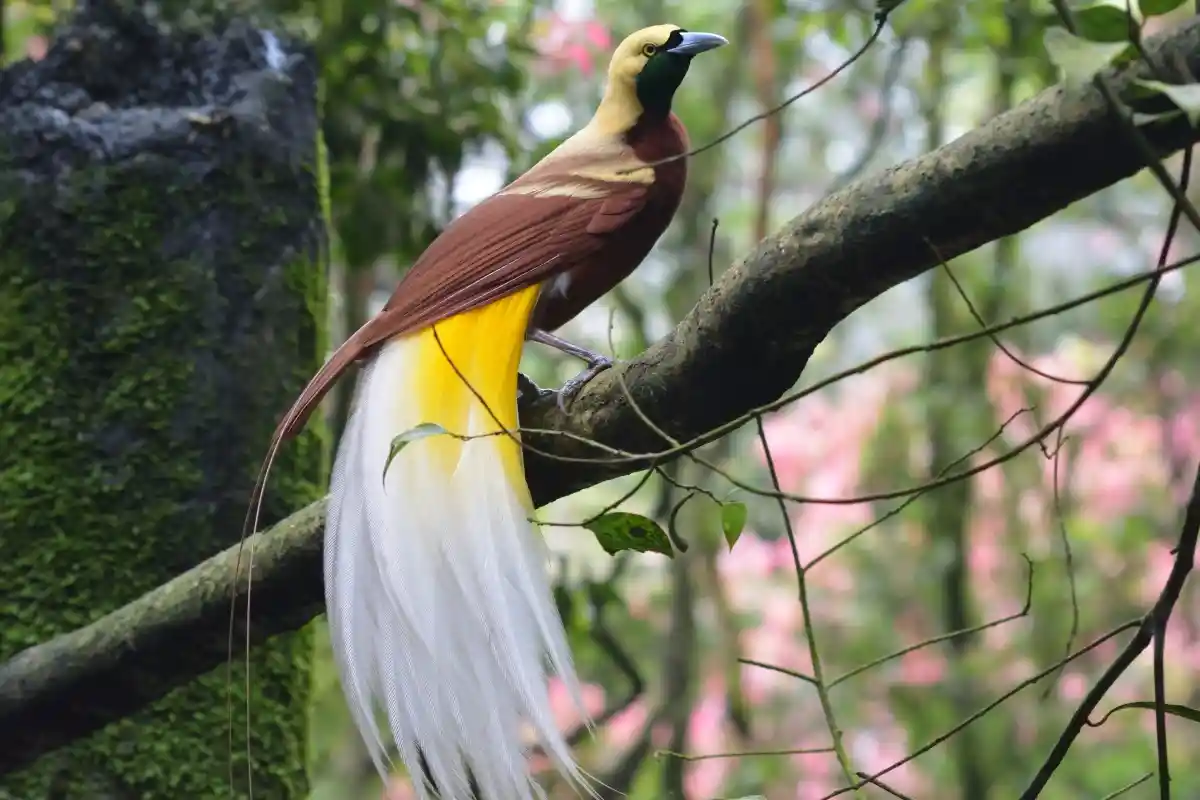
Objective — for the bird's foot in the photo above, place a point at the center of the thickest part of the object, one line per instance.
(571, 388)
(528, 391)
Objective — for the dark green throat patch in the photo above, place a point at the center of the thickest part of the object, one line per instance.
(658, 80)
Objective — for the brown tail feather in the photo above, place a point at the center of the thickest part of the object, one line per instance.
(353, 349)
(363, 341)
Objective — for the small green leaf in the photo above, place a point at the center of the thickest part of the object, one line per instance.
(622, 530)
(1149, 119)
(1106, 21)
(733, 520)
(1186, 96)
(1183, 712)
(422, 431)
(1079, 59)
(1152, 8)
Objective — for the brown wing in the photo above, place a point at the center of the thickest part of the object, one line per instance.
(506, 243)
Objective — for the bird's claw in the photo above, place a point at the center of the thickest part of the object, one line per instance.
(528, 391)
(569, 389)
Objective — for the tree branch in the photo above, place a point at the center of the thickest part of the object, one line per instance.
(750, 336)
(743, 345)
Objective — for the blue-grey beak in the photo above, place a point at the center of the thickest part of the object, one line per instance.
(694, 43)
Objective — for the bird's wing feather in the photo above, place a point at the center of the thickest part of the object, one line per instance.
(507, 243)
(617, 210)
(541, 225)
(545, 223)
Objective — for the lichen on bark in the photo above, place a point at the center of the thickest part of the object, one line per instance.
(162, 299)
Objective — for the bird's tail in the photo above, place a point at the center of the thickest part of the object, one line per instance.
(438, 603)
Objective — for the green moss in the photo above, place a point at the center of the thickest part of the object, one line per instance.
(153, 325)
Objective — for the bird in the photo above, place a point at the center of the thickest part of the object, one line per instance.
(438, 601)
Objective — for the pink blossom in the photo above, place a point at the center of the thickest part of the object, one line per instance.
(1159, 563)
(1072, 686)
(627, 725)
(565, 44)
(769, 647)
(399, 788)
(36, 47)
(922, 667)
(750, 558)
(818, 772)
(566, 713)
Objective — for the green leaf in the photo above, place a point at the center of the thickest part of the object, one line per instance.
(1078, 59)
(1186, 96)
(622, 530)
(1106, 21)
(733, 520)
(1152, 8)
(1149, 119)
(422, 431)
(1183, 712)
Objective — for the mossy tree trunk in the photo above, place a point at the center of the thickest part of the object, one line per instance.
(162, 299)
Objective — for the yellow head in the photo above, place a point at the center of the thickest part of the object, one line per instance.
(645, 70)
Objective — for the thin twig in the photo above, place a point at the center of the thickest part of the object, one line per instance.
(810, 634)
(987, 709)
(882, 785)
(1003, 348)
(1148, 628)
(882, 518)
(1023, 612)
(779, 669)
(1068, 555)
(1128, 787)
(742, 753)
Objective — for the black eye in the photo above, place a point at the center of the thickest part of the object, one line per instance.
(649, 50)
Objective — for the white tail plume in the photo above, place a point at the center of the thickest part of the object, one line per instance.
(438, 604)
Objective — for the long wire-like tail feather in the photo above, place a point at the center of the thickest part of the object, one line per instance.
(437, 597)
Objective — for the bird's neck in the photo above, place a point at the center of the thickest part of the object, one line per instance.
(654, 130)
(619, 109)
(654, 137)
(620, 122)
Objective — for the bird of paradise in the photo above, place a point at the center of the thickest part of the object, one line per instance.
(437, 598)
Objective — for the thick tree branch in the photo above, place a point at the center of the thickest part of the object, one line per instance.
(750, 336)
(745, 343)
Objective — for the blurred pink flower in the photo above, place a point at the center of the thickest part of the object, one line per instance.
(1159, 563)
(399, 788)
(706, 736)
(775, 649)
(1072, 686)
(566, 714)
(750, 558)
(626, 726)
(817, 772)
(565, 44)
(922, 667)
(879, 745)
(36, 47)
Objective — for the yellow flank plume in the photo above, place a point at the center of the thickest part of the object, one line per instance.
(483, 347)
